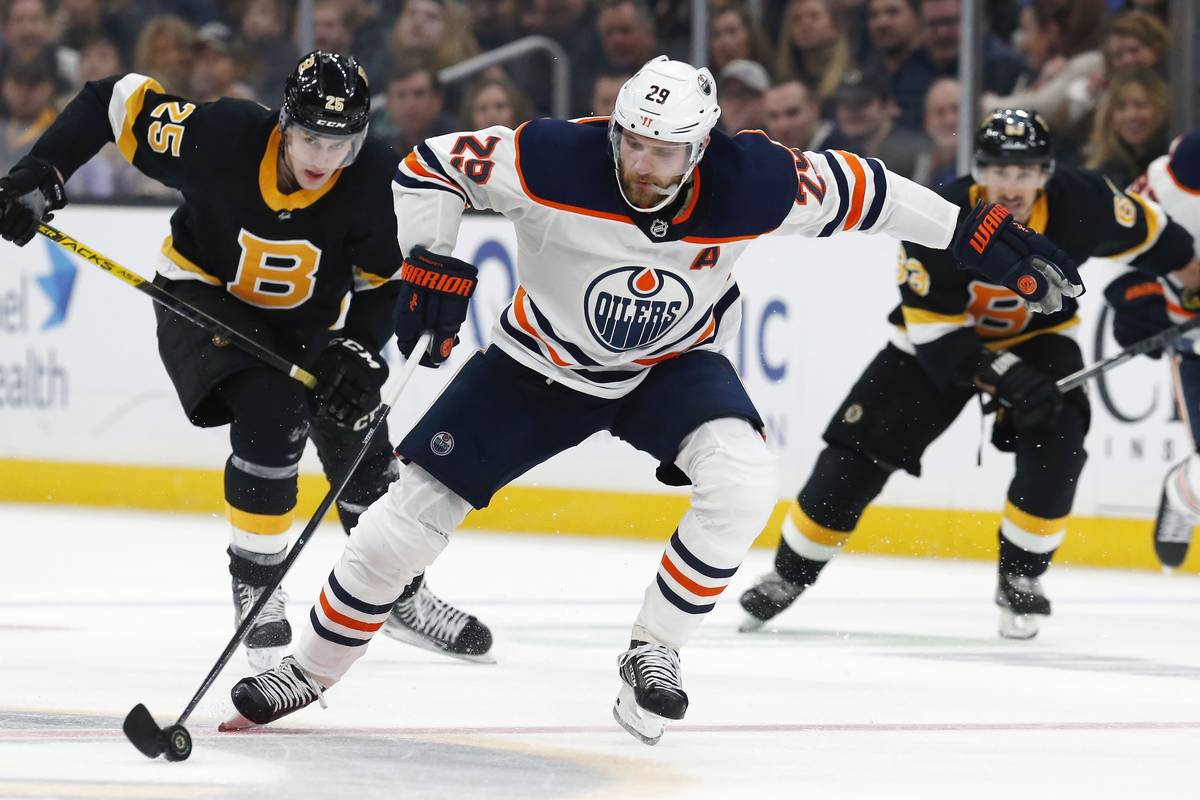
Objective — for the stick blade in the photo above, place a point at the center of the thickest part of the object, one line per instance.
(143, 732)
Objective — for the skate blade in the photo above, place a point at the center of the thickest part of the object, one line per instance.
(1019, 626)
(264, 658)
(641, 724)
(236, 723)
(751, 624)
(1171, 554)
(408, 636)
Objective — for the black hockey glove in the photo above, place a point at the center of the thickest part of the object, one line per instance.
(1029, 394)
(992, 243)
(28, 193)
(434, 291)
(349, 377)
(1139, 309)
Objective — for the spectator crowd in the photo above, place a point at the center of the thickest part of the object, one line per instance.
(878, 77)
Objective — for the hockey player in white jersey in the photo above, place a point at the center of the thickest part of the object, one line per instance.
(1143, 305)
(628, 229)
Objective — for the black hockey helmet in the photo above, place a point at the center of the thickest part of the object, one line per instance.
(1014, 136)
(327, 95)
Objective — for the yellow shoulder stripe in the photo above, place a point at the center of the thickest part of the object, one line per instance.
(126, 142)
(920, 316)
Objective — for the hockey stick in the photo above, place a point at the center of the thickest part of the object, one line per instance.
(180, 307)
(1156, 342)
(174, 741)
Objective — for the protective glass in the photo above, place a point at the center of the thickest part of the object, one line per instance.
(1016, 176)
(317, 149)
(661, 160)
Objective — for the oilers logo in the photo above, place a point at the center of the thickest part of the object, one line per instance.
(630, 308)
(441, 444)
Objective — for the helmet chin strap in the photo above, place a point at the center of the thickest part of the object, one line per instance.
(667, 194)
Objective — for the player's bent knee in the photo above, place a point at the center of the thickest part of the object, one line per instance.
(843, 482)
(734, 474)
(402, 532)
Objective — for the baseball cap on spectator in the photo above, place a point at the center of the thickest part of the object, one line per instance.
(216, 36)
(749, 73)
(859, 87)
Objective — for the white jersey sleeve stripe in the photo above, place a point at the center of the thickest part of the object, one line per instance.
(858, 189)
(843, 192)
(879, 183)
(414, 167)
(862, 196)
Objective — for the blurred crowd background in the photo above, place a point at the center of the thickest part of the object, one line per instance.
(877, 77)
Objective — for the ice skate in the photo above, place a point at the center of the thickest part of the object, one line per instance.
(762, 601)
(270, 695)
(271, 634)
(1023, 606)
(1177, 516)
(651, 692)
(426, 621)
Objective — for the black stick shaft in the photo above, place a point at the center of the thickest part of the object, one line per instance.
(334, 490)
(1156, 342)
(180, 307)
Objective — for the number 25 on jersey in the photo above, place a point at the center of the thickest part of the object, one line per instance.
(163, 136)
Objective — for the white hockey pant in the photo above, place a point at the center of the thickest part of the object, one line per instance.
(734, 487)
(396, 538)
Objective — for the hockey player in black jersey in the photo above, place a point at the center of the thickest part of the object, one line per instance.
(287, 233)
(956, 334)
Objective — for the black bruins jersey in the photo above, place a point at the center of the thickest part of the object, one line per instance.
(305, 261)
(946, 314)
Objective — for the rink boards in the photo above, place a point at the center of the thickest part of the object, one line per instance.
(88, 416)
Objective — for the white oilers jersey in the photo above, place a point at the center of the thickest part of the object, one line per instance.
(1182, 206)
(606, 292)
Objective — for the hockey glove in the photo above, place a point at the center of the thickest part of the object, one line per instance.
(1030, 395)
(434, 291)
(28, 193)
(991, 242)
(349, 377)
(1139, 308)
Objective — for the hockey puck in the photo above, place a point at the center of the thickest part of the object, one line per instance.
(178, 742)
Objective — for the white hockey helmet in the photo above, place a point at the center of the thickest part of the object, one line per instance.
(671, 101)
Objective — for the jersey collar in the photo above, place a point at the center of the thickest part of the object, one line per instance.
(268, 181)
(670, 223)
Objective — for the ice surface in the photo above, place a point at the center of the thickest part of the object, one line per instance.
(887, 680)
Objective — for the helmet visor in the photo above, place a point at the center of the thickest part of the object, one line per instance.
(320, 150)
(651, 171)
